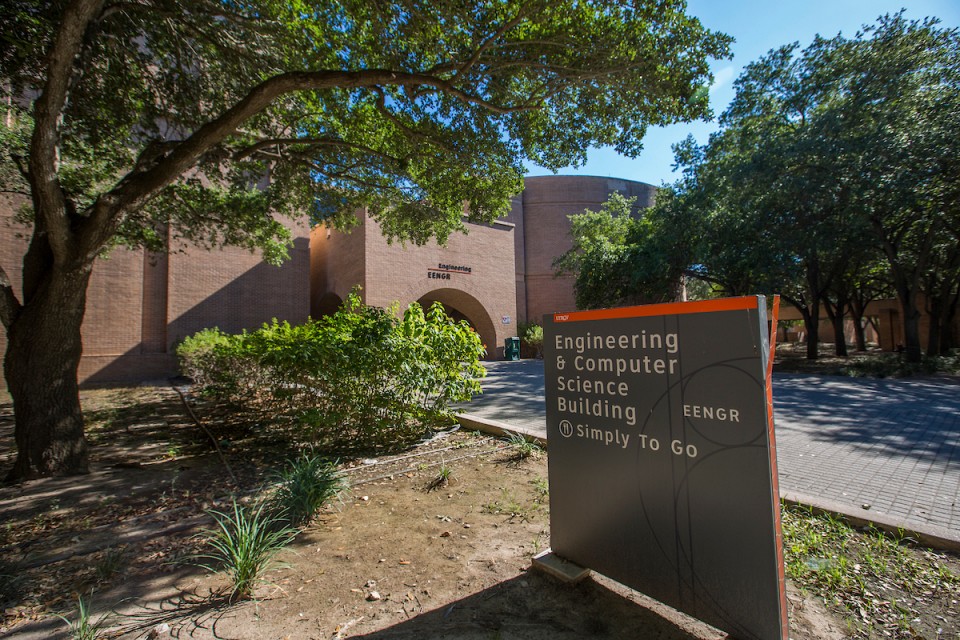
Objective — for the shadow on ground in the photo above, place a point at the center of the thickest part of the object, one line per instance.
(918, 418)
(504, 611)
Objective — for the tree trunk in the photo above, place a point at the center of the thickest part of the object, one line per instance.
(934, 312)
(43, 353)
(948, 339)
(811, 321)
(911, 328)
(859, 335)
(839, 336)
(835, 313)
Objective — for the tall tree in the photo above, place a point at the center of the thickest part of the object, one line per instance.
(597, 257)
(621, 255)
(828, 156)
(895, 91)
(126, 118)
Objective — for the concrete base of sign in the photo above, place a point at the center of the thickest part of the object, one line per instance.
(563, 570)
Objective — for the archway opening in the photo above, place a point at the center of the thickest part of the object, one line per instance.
(326, 305)
(460, 305)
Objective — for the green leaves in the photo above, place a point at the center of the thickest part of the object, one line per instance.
(360, 379)
(444, 104)
(621, 257)
(244, 545)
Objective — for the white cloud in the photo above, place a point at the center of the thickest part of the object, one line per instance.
(721, 79)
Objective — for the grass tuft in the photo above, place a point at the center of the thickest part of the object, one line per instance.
(84, 627)
(523, 447)
(305, 485)
(244, 546)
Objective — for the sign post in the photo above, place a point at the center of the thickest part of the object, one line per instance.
(662, 461)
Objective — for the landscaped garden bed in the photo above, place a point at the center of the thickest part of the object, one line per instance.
(435, 541)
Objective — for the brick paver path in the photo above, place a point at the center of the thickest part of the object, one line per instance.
(876, 446)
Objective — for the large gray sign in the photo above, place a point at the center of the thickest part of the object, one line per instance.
(662, 464)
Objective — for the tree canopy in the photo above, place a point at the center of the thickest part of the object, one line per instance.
(835, 169)
(203, 120)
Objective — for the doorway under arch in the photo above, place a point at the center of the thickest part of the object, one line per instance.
(327, 305)
(460, 305)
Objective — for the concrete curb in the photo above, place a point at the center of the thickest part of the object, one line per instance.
(928, 535)
(497, 428)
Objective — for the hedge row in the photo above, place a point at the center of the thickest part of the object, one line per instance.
(362, 378)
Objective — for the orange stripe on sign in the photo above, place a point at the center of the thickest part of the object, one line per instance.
(774, 475)
(664, 309)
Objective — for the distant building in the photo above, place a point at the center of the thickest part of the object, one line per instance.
(495, 276)
(140, 305)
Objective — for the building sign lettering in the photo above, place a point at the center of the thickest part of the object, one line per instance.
(443, 271)
(662, 462)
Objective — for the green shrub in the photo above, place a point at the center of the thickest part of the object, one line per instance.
(305, 485)
(215, 362)
(360, 379)
(532, 335)
(893, 365)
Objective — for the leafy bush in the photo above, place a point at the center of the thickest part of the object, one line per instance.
(361, 378)
(532, 335)
(215, 362)
(305, 485)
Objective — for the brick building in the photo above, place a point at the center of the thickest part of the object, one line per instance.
(140, 304)
(494, 276)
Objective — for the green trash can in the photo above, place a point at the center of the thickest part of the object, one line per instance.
(511, 348)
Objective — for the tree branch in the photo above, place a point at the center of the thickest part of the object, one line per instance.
(486, 44)
(138, 187)
(9, 305)
(316, 142)
(413, 133)
(49, 200)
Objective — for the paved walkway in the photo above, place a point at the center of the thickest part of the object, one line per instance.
(887, 450)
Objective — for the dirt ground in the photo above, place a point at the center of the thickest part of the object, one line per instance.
(402, 556)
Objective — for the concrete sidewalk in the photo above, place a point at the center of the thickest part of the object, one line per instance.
(887, 451)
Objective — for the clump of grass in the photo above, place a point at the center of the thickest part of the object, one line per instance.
(849, 568)
(522, 446)
(244, 546)
(84, 627)
(509, 505)
(110, 564)
(542, 489)
(305, 485)
(442, 479)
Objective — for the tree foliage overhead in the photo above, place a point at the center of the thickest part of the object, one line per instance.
(408, 108)
(202, 120)
(834, 177)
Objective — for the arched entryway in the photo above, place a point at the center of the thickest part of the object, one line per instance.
(460, 305)
(326, 305)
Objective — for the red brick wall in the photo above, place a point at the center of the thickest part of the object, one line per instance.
(139, 305)
(397, 272)
(519, 249)
(233, 289)
(547, 201)
(337, 265)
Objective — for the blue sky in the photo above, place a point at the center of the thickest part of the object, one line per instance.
(757, 26)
